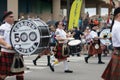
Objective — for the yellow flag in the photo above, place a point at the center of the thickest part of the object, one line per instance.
(74, 14)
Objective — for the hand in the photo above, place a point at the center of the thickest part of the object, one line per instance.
(8, 46)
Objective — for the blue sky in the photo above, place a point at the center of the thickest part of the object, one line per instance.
(92, 11)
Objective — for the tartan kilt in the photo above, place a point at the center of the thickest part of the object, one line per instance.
(58, 54)
(112, 71)
(45, 52)
(6, 60)
(93, 51)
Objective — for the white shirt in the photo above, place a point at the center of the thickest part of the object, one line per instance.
(88, 37)
(116, 34)
(5, 34)
(61, 33)
(93, 34)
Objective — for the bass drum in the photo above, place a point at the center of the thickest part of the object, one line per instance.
(29, 36)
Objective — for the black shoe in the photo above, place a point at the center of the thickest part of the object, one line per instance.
(86, 59)
(51, 68)
(78, 55)
(48, 64)
(27, 68)
(34, 62)
(68, 61)
(101, 62)
(68, 71)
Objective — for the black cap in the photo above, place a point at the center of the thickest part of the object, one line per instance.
(116, 11)
(7, 14)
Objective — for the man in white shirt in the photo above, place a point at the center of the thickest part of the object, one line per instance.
(112, 71)
(7, 53)
(95, 47)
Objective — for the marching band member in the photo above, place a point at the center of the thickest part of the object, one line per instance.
(7, 53)
(61, 39)
(48, 51)
(94, 47)
(112, 71)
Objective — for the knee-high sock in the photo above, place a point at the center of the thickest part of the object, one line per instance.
(37, 58)
(99, 57)
(48, 59)
(65, 65)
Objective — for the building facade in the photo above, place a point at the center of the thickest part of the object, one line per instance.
(45, 9)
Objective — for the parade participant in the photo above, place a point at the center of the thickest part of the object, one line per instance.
(48, 51)
(61, 37)
(94, 47)
(112, 71)
(7, 53)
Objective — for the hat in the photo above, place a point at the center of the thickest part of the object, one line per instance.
(116, 11)
(7, 14)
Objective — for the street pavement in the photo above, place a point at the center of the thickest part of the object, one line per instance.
(82, 70)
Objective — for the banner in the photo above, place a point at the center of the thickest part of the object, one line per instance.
(74, 14)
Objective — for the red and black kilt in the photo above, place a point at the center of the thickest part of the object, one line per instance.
(45, 52)
(93, 51)
(6, 60)
(112, 71)
(58, 54)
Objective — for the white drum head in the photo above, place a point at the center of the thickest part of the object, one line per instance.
(105, 42)
(105, 32)
(70, 38)
(74, 42)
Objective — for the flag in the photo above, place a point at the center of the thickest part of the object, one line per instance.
(74, 14)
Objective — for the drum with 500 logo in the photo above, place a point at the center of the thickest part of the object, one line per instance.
(29, 36)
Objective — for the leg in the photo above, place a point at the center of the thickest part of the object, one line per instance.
(86, 58)
(99, 59)
(48, 59)
(66, 70)
(34, 61)
(20, 77)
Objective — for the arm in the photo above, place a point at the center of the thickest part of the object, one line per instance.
(2, 42)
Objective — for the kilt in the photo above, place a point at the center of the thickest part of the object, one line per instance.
(112, 71)
(93, 51)
(45, 52)
(6, 60)
(58, 54)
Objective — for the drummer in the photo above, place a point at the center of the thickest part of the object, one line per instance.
(7, 53)
(95, 47)
(61, 37)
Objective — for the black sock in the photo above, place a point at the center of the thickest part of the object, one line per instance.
(99, 58)
(48, 59)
